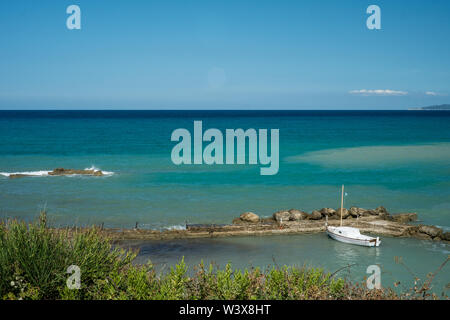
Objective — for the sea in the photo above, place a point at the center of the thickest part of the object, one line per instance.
(397, 159)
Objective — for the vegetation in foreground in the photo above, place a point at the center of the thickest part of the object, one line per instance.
(34, 261)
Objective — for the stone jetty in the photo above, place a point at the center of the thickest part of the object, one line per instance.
(371, 221)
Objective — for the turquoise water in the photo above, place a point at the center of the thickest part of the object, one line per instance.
(398, 159)
(395, 159)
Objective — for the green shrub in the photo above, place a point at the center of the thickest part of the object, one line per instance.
(34, 261)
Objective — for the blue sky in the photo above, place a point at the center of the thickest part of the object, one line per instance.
(224, 55)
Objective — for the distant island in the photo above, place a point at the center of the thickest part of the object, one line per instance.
(436, 107)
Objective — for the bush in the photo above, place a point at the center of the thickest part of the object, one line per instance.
(34, 261)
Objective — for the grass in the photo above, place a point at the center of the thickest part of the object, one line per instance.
(34, 261)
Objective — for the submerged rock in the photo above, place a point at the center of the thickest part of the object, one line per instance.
(18, 175)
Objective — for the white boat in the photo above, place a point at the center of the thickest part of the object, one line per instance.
(349, 234)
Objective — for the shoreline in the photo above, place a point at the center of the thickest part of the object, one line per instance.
(384, 225)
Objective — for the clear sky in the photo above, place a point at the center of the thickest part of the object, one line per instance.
(242, 54)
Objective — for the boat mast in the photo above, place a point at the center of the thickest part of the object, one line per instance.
(342, 202)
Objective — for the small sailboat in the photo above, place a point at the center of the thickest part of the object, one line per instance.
(350, 234)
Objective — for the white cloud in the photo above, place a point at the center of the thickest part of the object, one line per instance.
(378, 92)
(435, 94)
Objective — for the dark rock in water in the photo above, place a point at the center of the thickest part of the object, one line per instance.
(315, 215)
(446, 236)
(18, 175)
(281, 215)
(297, 215)
(345, 213)
(249, 217)
(327, 212)
(430, 230)
(62, 172)
(404, 217)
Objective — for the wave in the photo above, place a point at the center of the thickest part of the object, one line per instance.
(106, 173)
(42, 173)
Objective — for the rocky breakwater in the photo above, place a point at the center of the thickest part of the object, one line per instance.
(63, 172)
(377, 221)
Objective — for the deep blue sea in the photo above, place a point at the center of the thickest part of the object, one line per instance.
(398, 159)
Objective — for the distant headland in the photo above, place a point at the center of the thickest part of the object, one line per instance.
(441, 107)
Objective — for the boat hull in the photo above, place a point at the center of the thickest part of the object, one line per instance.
(372, 242)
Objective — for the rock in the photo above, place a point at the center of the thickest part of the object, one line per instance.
(345, 213)
(382, 212)
(249, 217)
(315, 215)
(269, 220)
(423, 236)
(445, 236)
(372, 212)
(355, 212)
(62, 172)
(297, 215)
(18, 175)
(381, 209)
(430, 230)
(281, 215)
(327, 212)
(237, 221)
(404, 217)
